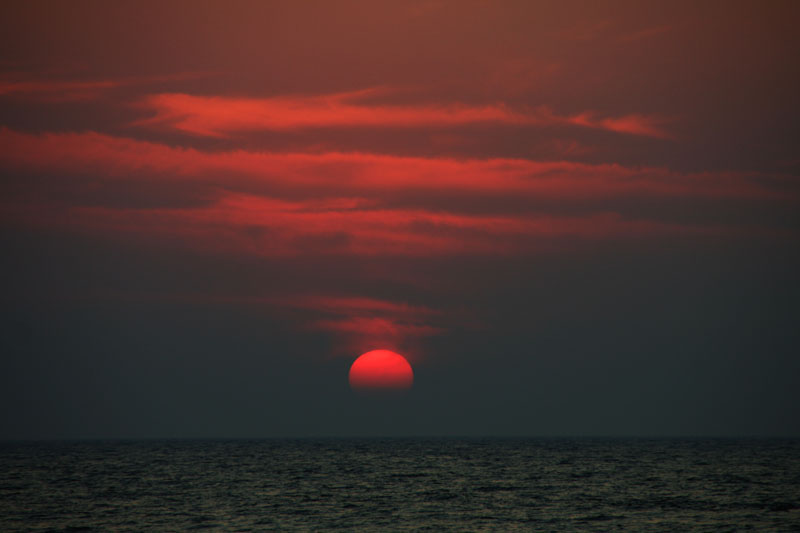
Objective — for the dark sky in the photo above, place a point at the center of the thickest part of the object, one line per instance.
(573, 218)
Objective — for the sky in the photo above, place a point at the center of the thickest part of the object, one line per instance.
(572, 218)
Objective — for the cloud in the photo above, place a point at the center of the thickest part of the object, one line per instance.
(58, 90)
(259, 226)
(65, 90)
(357, 305)
(362, 323)
(648, 126)
(217, 116)
(345, 204)
(375, 326)
(365, 176)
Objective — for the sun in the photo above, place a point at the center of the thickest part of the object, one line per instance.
(381, 370)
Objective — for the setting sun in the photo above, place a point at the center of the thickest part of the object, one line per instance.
(381, 370)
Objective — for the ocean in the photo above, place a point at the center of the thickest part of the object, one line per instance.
(446, 484)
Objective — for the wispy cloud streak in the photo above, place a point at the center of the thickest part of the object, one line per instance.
(365, 175)
(218, 116)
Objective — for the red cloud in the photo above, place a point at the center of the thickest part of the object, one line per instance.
(359, 175)
(58, 90)
(267, 227)
(363, 323)
(632, 124)
(375, 327)
(217, 116)
(72, 90)
(358, 305)
(269, 204)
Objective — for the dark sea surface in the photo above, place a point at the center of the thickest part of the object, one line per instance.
(402, 484)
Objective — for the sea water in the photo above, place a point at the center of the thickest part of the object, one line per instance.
(402, 484)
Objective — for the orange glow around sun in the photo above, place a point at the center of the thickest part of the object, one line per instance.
(381, 370)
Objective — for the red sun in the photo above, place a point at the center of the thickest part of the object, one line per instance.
(381, 370)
